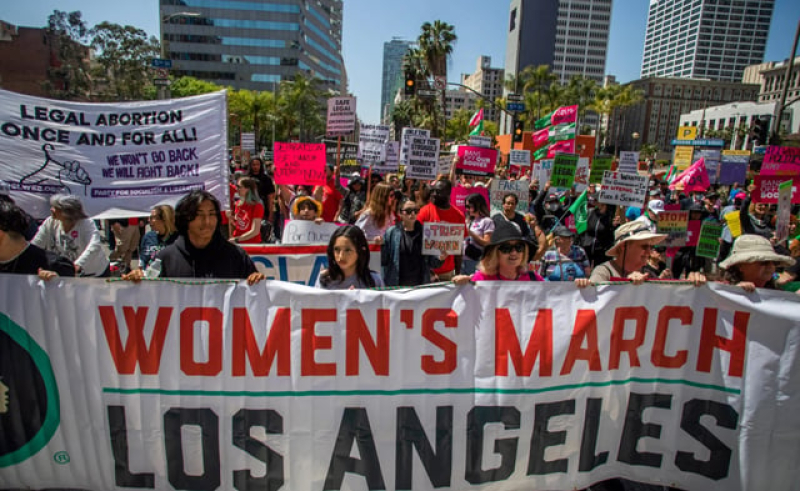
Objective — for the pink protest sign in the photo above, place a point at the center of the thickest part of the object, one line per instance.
(784, 161)
(460, 193)
(540, 138)
(300, 163)
(766, 190)
(566, 146)
(564, 114)
(476, 161)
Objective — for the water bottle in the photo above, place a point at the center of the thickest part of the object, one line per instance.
(154, 270)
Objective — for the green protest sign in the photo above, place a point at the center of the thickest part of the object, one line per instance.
(708, 243)
(564, 166)
(599, 166)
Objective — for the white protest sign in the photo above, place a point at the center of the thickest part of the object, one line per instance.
(628, 162)
(341, 116)
(581, 175)
(545, 171)
(480, 141)
(307, 232)
(372, 143)
(445, 163)
(392, 162)
(423, 158)
(623, 189)
(500, 188)
(120, 158)
(441, 237)
(248, 141)
(405, 141)
(521, 158)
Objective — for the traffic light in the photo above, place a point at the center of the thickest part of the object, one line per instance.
(759, 131)
(519, 128)
(411, 84)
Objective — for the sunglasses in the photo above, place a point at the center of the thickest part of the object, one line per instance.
(409, 211)
(507, 248)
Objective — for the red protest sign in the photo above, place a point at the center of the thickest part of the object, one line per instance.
(766, 190)
(299, 163)
(476, 161)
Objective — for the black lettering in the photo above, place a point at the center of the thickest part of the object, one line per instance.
(354, 427)
(543, 438)
(272, 422)
(477, 418)
(411, 435)
(118, 431)
(591, 428)
(175, 419)
(635, 429)
(719, 462)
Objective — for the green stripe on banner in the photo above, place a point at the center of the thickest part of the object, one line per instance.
(400, 392)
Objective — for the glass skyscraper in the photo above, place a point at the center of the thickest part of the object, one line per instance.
(254, 44)
(392, 77)
(705, 38)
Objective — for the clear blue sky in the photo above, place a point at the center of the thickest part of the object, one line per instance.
(481, 30)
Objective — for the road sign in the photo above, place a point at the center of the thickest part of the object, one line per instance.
(426, 93)
(513, 97)
(161, 81)
(515, 106)
(161, 63)
(439, 82)
(706, 142)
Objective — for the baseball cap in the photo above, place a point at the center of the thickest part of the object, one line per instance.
(656, 206)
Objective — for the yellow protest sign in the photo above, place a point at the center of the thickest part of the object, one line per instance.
(734, 224)
(683, 156)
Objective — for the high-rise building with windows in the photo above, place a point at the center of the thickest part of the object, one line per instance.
(392, 76)
(488, 82)
(709, 39)
(254, 44)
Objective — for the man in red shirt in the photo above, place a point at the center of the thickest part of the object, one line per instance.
(439, 210)
(331, 194)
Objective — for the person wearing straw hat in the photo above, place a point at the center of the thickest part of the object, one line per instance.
(752, 263)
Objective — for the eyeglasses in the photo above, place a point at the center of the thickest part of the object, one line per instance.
(409, 211)
(507, 248)
(660, 249)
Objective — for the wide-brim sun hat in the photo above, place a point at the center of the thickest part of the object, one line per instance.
(301, 199)
(507, 231)
(750, 248)
(634, 231)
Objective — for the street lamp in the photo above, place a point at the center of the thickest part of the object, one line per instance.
(635, 135)
(164, 91)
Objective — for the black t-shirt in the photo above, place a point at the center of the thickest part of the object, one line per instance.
(33, 258)
(794, 270)
(411, 258)
(654, 272)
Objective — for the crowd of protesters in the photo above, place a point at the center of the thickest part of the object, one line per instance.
(198, 239)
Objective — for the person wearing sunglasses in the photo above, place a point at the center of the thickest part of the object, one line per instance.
(401, 254)
(656, 266)
(505, 258)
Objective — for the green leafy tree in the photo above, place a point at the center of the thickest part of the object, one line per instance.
(68, 77)
(436, 43)
(123, 57)
(532, 83)
(402, 116)
(189, 86)
(300, 106)
(253, 111)
(627, 97)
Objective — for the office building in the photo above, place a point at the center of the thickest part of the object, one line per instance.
(392, 75)
(488, 82)
(707, 39)
(655, 119)
(254, 44)
(732, 122)
(771, 77)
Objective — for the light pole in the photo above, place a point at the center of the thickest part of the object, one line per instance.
(635, 135)
(164, 91)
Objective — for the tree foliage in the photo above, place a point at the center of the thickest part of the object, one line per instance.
(68, 77)
(189, 86)
(123, 55)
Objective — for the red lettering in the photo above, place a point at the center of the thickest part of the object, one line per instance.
(429, 319)
(136, 350)
(585, 329)
(312, 343)
(736, 346)
(658, 356)
(619, 343)
(507, 346)
(358, 334)
(189, 318)
(245, 346)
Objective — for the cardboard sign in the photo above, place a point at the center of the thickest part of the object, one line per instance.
(674, 224)
(423, 158)
(784, 210)
(307, 232)
(405, 141)
(500, 188)
(341, 116)
(438, 237)
(708, 242)
(372, 143)
(767, 189)
(521, 158)
(300, 163)
(392, 162)
(599, 166)
(623, 189)
(480, 141)
(458, 196)
(477, 161)
(564, 166)
(628, 162)
(445, 163)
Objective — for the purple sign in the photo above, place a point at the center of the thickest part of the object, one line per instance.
(732, 172)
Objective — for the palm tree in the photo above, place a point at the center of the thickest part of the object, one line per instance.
(436, 45)
(301, 106)
(582, 91)
(532, 80)
(602, 104)
(402, 115)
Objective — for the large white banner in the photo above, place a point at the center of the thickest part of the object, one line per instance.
(120, 158)
(494, 386)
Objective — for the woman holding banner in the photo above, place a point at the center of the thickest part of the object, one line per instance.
(505, 258)
(348, 262)
(752, 263)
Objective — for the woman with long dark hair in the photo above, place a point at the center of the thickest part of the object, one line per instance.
(479, 228)
(348, 262)
(401, 253)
